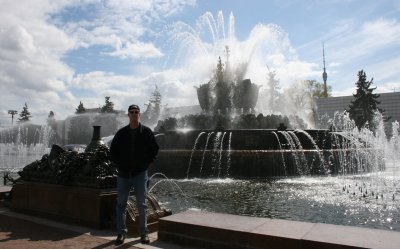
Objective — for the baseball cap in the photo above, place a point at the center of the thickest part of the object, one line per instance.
(131, 107)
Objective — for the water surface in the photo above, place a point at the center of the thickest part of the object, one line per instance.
(364, 201)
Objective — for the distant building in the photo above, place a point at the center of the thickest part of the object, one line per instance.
(180, 111)
(390, 103)
(98, 110)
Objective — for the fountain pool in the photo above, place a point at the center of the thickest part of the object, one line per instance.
(370, 198)
(333, 200)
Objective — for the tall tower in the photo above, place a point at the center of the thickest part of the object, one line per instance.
(324, 74)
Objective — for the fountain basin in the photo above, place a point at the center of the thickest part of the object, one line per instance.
(260, 153)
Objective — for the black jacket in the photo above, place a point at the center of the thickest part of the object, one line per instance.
(146, 149)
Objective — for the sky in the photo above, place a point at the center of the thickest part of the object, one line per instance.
(54, 54)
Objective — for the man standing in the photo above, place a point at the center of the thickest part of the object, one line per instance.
(133, 148)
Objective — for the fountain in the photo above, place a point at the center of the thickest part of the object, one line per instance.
(255, 153)
(23, 144)
(339, 175)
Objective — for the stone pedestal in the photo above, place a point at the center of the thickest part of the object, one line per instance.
(91, 207)
(77, 205)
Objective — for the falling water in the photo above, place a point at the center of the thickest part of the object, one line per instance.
(17, 150)
(204, 151)
(220, 154)
(172, 183)
(165, 178)
(193, 150)
(299, 150)
(291, 144)
(280, 149)
(394, 149)
(228, 155)
(319, 152)
(215, 151)
(369, 157)
(218, 149)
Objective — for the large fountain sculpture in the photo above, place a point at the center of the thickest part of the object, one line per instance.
(222, 95)
(255, 153)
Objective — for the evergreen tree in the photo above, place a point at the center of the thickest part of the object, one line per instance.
(51, 115)
(25, 115)
(365, 103)
(273, 89)
(108, 107)
(80, 109)
(222, 89)
(153, 109)
(219, 72)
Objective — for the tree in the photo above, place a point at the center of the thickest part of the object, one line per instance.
(80, 109)
(300, 96)
(108, 107)
(365, 103)
(273, 89)
(317, 89)
(298, 100)
(219, 72)
(51, 115)
(152, 113)
(25, 115)
(222, 89)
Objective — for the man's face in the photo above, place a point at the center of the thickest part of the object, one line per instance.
(134, 115)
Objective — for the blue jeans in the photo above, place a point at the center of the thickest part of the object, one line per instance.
(124, 186)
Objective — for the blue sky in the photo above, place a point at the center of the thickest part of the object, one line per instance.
(54, 54)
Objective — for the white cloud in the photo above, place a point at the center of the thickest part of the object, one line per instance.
(136, 50)
(121, 24)
(31, 50)
(370, 38)
(123, 90)
(35, 35)
(99, 81)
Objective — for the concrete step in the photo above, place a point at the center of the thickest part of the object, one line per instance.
(224, 231)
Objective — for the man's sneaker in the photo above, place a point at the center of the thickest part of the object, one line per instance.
(120, 239)
(144, 239)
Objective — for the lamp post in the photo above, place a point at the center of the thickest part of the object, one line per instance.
(12, 112)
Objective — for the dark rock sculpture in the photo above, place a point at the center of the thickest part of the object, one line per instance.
(88, 169)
